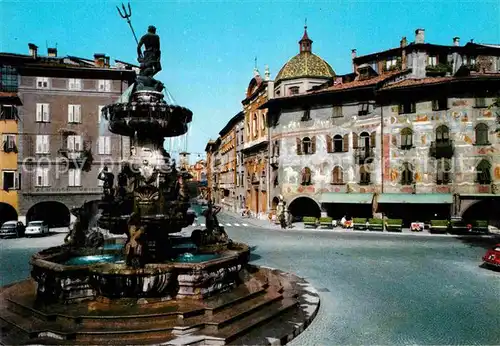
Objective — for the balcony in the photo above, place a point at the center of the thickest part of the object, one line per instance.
(363, 155)
(440, 150)
(77, 158)
(438, 70)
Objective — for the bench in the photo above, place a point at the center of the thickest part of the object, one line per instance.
(439, 226)
(326, 222)
(310, 221)
(394, 225)
(359, 223)
(375, 224)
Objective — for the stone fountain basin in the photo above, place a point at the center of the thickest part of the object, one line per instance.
(61, 283)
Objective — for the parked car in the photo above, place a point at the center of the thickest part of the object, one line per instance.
(492, 257)
(36, 228)
(12, 229)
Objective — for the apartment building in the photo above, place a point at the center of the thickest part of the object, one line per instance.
(63, 141)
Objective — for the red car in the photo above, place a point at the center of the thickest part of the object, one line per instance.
(492, 257)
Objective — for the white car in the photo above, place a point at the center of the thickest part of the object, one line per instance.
(36, 228)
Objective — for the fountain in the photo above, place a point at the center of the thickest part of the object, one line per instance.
(155, 287)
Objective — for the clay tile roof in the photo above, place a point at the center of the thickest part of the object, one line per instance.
(7, 94)
(415, 82)
(359, 83)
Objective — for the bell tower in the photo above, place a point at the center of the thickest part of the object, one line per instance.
(305, 43)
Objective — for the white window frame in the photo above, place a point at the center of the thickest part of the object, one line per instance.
(9, 138)
(42, 144)
(42, 83)
(74, 143)
(432, 60)
(74, 84)
(104, 145)
(104, 85)
(42, 177)
(74, 114)
(16, 179)
(390, 63)
(99, 113)
(42, 113)
(75, 177)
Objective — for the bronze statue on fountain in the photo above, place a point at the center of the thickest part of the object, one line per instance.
(151, 199)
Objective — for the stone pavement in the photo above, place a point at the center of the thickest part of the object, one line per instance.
(299, 226)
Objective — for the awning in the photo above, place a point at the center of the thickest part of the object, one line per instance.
(351, 198)
(418, 198)
(478, 195)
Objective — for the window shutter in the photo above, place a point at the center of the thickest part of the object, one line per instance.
(329, 144)
(19, 181)
(108, 145)
(78, 143)
(71, 177)
(299, 146)
(346, 142)
(70, 114)
(46, 110)
(373, 139)
(78, 114)
(355, 143)
(39, 145)
(313, 145)
(70, 143)
(100, 145)
(45, 177)
(39, 112)
(46, 143)
(77, 177)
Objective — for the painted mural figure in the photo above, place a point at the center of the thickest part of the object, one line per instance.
(306, 176)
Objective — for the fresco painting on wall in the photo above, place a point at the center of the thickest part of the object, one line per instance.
(458, 103)
(497, 172)
(421, 118)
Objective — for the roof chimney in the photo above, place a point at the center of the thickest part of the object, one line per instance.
(353, 56)
(99, 60)
(52, 52)
(33, 49)
(106, 61)
(456, 41)
(419, 36)
(403, 43)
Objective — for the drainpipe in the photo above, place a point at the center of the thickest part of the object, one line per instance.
(382, 147)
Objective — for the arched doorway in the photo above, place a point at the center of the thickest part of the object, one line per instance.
(486, 210)
(7, 213)
(304, 206)
(56, 214)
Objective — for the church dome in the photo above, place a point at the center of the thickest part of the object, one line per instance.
(305, 64)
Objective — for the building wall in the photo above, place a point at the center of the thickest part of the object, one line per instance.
(240, 189)
(255, 157)
(461, 118)
(8, 162)
(227, 175)
(321, 129)
(91, 127)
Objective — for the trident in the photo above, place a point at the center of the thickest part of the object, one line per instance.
(126, 15)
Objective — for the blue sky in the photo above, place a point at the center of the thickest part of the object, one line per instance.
(209, 47)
